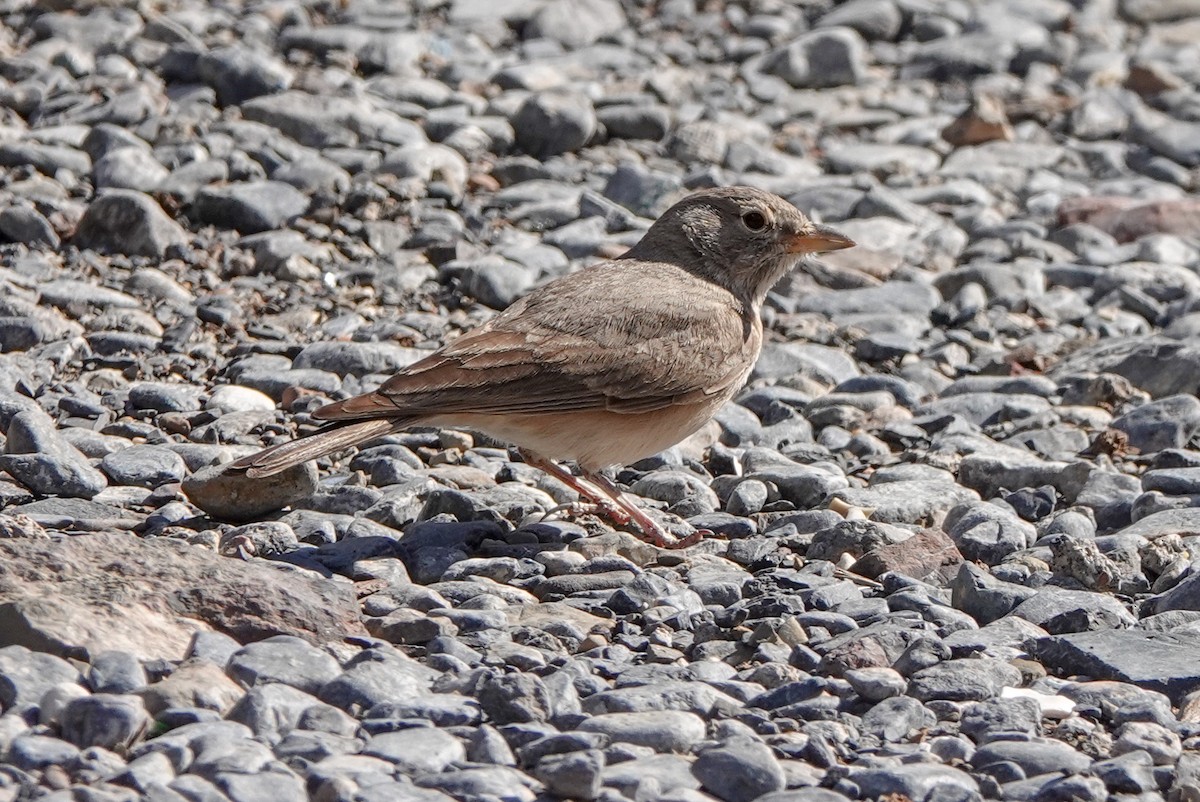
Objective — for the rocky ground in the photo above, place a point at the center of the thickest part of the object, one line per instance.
(957, 509)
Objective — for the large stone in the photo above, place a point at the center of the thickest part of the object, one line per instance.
(83, 595)
(1158, 661)
(236, 497)
(928, 553)
(129, 222)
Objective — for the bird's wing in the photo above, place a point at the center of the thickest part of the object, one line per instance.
(586, 343)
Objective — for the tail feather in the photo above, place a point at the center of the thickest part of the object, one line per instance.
(279, 458)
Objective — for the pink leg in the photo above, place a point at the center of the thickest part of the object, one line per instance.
(650, 527)
(610, 502)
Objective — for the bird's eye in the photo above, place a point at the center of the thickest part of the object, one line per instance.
(755, 221)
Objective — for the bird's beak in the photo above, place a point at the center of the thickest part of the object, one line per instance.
(817, 239)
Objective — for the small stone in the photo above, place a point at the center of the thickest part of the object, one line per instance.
(551, 123)
(236, 497)
(107, 720)
(983, 121)
(250, 207)
(823, 58)
(143, 466)
(576, 775)
(663, 731)
(739, 770)
(284, 659)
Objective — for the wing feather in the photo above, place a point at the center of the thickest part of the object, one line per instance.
(567, 351)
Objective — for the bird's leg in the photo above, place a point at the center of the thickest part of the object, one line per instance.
(596, 497)
(651, 528)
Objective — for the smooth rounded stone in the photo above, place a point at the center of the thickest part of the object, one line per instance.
(26, 676)
(419, 750)
(491, 279)
(876, 683)
(116, 672)
(1165, 423)
(48, 159)
(576, 775)
(662, 731)
(874, 19)
(249, 207)
(695, 697)
(355, 358)
(232, 398)
(143, 466)
(1058, 611)
(1163, 746)
(239, 73)
(276, 784)
(634, 121)
(128, 222)
(212, 647)
(676, 488)
(34, 752)
(107, 720)
(823, 58)
(491, 782)
(668, 774)
(576, 23)
(739, 770)
(551, 123)
(132, 168)
(25, 224)
(195, 684)
(895, 718)
(55, 701)
(1131, 773)
(286, 659)
(749, 497)
(963, 680)
(987, 532)
(273, 710)
(1035, 756)
(153, 769)
(235, 497)
(374, 678)
(915, 781)
(920, 502)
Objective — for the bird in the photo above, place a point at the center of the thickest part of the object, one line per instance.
(603, 366)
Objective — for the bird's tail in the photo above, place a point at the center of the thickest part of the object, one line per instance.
(333, 438)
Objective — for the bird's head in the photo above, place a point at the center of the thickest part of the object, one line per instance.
(741, 238)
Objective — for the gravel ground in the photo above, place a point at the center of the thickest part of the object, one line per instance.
(956, 508)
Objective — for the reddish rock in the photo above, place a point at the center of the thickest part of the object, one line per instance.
(75, 596)
(928, 552)
(1126, 219)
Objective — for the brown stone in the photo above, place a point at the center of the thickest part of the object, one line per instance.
(984, 121)
(1151, 78)
(76, 596)
(928, 552)
(1126, 219)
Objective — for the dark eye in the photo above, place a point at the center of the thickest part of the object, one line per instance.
(755, 221)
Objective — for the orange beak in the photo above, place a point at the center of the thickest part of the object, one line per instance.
(818, 239)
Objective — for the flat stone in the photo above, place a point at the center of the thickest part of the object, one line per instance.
(80, 595)
(235, 497)
(1159, 661)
